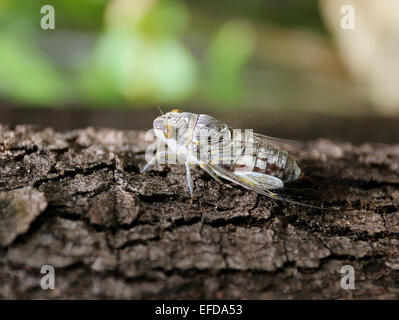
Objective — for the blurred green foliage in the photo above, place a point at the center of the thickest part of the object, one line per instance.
(287, 13)
(137, 54)
(229, 51)
(123, 52)
(140, 55)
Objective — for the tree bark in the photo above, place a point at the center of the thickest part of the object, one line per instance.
(75, 200)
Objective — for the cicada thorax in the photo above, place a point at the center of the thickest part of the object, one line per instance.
(204, 137)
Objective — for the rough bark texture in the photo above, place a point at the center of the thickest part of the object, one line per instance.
(76, 200)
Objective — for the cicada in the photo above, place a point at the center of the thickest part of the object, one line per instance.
(256, 162)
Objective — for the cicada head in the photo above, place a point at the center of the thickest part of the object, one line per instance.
(168, 125)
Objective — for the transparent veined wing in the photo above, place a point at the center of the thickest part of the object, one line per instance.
(298, 149)
(262, 188)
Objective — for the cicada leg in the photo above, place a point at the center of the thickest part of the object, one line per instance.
(189, 179)
(261, 180)
(149, 164)
(209, 171)
(159, 155)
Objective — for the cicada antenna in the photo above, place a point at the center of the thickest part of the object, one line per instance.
(160, 110)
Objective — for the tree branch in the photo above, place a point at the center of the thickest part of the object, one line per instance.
(76, 200)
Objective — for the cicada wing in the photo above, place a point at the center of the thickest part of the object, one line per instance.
(308, 157)
(241, 179)
(224, 149)
(262, 185)
(298, 149)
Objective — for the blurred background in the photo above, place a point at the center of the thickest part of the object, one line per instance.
(283, 68)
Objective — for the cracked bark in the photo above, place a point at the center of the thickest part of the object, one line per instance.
(76, 200)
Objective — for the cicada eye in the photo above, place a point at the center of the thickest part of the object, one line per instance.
(169, 131)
